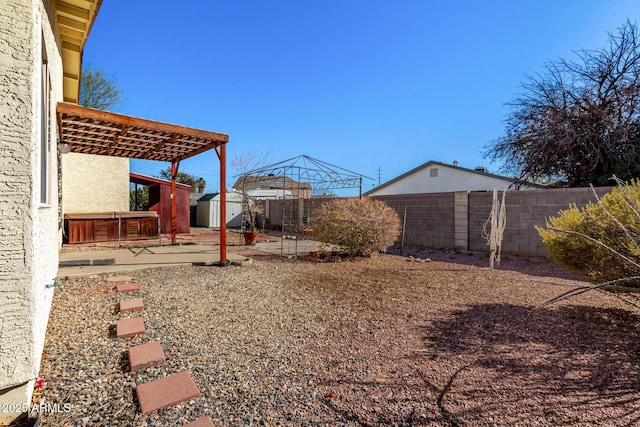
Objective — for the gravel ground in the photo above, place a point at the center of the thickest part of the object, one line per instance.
(378, 341)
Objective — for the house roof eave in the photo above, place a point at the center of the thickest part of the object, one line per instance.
(436, 163)
(74, 20)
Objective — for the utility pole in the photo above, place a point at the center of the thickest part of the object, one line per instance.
(379, 175)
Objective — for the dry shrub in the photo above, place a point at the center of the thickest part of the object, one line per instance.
(602, 239)
(360, 226)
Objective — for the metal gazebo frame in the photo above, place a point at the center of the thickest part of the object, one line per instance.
(302, 175)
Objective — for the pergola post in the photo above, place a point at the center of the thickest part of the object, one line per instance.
(223, 204)
(174, 209)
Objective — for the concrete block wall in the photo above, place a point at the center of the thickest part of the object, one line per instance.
(446, 220)
(295, 208)
(430, 219)
(525, 210)
(456, 219)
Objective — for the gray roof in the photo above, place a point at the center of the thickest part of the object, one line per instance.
(207, 197)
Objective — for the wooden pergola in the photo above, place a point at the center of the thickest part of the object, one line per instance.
(89, 131)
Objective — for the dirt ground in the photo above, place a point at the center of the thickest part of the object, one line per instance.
(455, 343)
(380, 341)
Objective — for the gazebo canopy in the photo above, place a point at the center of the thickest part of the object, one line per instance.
(89, 131)
(304, 172)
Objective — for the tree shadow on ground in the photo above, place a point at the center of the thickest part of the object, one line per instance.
(501, 363)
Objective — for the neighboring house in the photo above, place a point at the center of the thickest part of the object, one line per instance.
(261, 194)
(208, 211)
(299, 190)
(437, 177)
(40, 62)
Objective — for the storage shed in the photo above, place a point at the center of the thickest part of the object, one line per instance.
(209, 210)
(160, 201)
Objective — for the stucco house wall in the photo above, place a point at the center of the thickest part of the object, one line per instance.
(93, 184)
(29, 247)
(436, 177)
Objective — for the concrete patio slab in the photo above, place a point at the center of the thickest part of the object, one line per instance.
(115, 278)
(134, 259)
(289, 247)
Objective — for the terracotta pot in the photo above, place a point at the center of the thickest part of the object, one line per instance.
(250, 238)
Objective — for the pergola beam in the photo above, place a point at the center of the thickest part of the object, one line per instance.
(106, 116)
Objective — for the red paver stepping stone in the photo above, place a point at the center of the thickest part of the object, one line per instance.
(135, 304)
(145, 355)
(166, 392)
(130, 327)
(120, 279)
(200, 422)
(127, 287)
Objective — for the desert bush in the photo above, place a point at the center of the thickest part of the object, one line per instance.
(600, 240)
(360, 226)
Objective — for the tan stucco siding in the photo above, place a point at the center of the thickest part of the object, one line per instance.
(94, 183)
(29, 247)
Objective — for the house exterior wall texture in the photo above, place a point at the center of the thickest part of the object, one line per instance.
(446, 179)
(29, 247)
(93, 184)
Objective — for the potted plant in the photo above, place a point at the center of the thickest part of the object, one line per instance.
(244, 164)
(250, 212)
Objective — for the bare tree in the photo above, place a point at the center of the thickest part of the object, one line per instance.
(578, 121)
(98, 90)
(244, 164)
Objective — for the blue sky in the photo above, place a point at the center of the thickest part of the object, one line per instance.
(366, 85)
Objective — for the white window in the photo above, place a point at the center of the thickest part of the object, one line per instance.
(45, 140)
(433, 172)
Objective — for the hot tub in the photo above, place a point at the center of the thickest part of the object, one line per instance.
(110, 226)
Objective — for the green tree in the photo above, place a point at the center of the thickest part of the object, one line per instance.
(578, 120)
(98, 90)
(142, 199)
(195, 182)
(201, 183)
